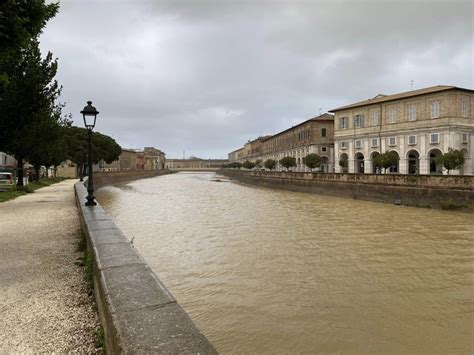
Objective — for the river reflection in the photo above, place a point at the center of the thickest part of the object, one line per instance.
(269, 271)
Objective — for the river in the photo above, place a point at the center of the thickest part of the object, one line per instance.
(269, 271)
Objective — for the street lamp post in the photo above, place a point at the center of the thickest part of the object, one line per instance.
(90, 114)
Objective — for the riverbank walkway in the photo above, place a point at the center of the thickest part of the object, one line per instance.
(44, 303)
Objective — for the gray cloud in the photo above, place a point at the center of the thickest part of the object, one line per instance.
(205, 76)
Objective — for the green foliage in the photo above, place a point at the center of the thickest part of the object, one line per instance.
(270, 164)
(20, 22)
(258, 163)
(248, 164)
(343, 163)
(288, 162)
(386, 160)
(30, 118)
(312, 161)
(234, 165)
(100, 343)
(103, 147)
(452, 160)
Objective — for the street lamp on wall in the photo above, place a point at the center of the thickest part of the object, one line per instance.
(89, 113)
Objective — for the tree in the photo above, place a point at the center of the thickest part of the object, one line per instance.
(452, 160)
(343, 162)
(258, 164)
(312, 161)
(28, 109)
(103, 147)
(288, 162)
(386, 160)
(248, 164)
(270, 164)
(20, 21)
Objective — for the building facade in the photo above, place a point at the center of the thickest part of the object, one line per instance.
(154, 159)
(7, 161)
(195, 164)
(418, 125)
(314, 135)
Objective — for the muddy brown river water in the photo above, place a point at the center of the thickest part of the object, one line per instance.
(269, 271)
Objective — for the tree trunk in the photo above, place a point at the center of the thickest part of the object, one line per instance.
(19, 171)
(37, 172)
(47, 173)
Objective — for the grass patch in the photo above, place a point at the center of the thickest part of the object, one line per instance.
(100, 343)
(17, 191)
(86, 261)
(450, 206)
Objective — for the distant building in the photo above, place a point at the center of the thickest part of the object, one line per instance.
(195, 164)
(7, 161)
(314, 135)
(418, 125)
(67, 169)
(154, 159)
(149, 158)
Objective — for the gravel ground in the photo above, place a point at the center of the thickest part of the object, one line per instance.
(45, 306)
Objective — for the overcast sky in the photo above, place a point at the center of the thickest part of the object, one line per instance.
(206, 76)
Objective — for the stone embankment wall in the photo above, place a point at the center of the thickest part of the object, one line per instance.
(435, 191)
(138, 313)
(114, 177)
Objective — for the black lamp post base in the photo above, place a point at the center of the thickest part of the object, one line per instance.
(90, 201)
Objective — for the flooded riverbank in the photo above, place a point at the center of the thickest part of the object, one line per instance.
(268, 271)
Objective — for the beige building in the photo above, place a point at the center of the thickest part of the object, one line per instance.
(195, 164)
(154, 159)
(149, 158)
(314, 135)
(418, 125)
(7, 161)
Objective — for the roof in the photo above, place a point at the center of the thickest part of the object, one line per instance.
(403, 95)
(325, 117)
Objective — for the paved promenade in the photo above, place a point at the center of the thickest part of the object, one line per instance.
(44, 306)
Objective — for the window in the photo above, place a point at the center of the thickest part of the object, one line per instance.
(323, 149)
(435, 109)
(374, 118)
(465, 137)
(464, 108)
(359, 121)
(323, 132)
(358, 144)
(392, 141)
(434, 138)
(411, 140)
(392, 115)
(375, 142)
(344, 122)
(343, 145)
(412, 113)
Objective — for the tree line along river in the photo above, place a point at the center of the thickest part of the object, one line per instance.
(270, 271)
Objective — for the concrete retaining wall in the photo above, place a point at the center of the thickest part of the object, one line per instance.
(442, 192)
(113, 177)
(138, 313)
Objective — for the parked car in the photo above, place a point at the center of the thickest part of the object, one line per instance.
(6, 181)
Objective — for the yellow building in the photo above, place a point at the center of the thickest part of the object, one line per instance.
(418, 125)
(314, 135)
